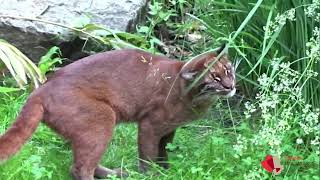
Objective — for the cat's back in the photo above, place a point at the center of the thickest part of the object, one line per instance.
(116, 70)
(123, 78)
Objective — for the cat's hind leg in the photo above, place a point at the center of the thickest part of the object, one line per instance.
(90, 140)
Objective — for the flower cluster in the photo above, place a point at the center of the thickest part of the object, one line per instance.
(279, 99)
(280, 20)
(313, 10)
(281, 112)
(255, 173)
(314, 45)
(240, 146)
(309, 122)
(250, 109)
(283, 109)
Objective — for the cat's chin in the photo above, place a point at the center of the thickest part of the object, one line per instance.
(205, 98)
(231, 93)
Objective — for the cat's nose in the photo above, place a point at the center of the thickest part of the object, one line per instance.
(230, 86)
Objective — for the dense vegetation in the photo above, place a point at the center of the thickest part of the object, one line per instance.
(276, 48)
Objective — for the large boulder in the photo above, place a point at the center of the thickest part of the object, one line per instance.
(34, 38)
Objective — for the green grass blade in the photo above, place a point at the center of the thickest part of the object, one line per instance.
(247, 19)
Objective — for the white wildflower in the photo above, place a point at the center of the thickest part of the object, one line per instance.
(255, 173)
(299, 141)
(315, 141)
(264, 80)
(241, 145)
(290, 14)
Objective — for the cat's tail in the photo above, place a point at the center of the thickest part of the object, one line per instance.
(22, 129)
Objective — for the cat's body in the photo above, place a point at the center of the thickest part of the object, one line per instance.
(85, 100)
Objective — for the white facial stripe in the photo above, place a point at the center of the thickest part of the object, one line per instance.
(217, 79)
(234, 75)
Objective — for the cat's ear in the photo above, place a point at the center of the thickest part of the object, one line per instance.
(189, 76)
(191, 68)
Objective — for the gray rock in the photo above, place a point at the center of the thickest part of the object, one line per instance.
(34, 38)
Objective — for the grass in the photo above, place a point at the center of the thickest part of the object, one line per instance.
(201, 150)
(225, 145)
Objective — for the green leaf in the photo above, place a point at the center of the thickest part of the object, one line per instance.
(8, 89)
(144, 29)
(49, 60)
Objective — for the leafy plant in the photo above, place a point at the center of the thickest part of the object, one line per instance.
(7, 89)
(19, 66)
(111, 38)
(49, 60)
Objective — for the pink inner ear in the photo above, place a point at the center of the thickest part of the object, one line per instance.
(198, 63)
(189, 75)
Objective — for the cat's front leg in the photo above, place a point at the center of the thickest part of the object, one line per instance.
(148, 143)
(163, 155)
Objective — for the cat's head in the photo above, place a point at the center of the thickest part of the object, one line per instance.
(220, 78)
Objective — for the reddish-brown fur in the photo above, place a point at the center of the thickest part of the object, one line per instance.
(85, 100)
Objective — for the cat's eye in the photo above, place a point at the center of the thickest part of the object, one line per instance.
(227, 71)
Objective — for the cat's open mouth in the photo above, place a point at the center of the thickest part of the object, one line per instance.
(215, 92)
(227, 93)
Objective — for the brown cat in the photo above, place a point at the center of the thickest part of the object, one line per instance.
(85, 100)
